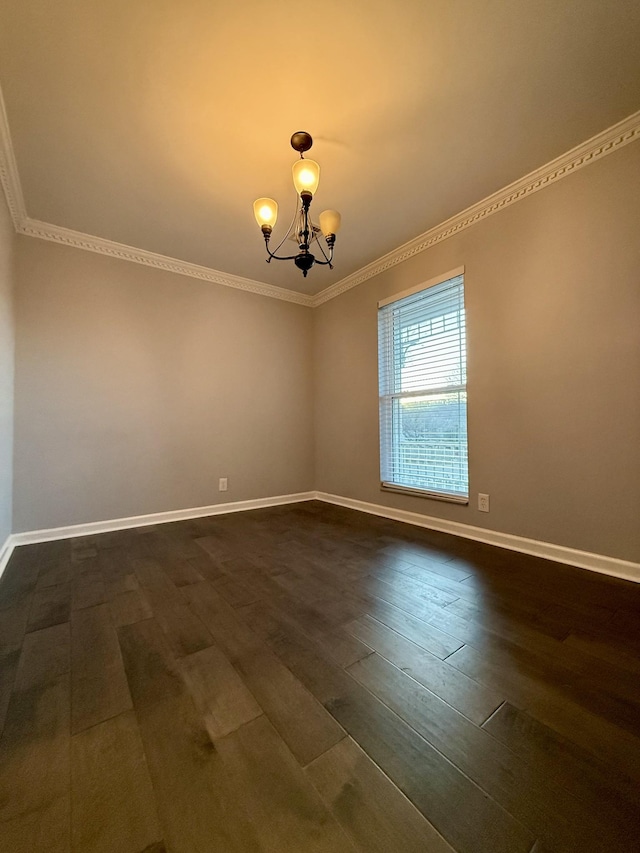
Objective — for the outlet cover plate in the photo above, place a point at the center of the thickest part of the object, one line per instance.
(483, 503)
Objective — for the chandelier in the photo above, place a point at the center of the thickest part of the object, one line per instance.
(306, 176)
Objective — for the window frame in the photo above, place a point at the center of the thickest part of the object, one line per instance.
(461, 387)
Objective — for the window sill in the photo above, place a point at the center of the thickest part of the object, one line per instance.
(421, 493)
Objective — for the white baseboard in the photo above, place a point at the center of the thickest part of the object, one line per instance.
(558, 553)
(6, 550)
(51, 534)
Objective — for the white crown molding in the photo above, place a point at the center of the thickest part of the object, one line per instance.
(548, 551)
(9, 176)
(72, 531)
(57, 234)
(68, 237)
(593, 149)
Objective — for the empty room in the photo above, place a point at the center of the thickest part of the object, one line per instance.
(320, 426)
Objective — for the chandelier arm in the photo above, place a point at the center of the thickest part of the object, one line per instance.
(327, 260)
(279, 257)
(287, 233)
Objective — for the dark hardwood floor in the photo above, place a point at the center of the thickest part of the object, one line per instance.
(309, 678)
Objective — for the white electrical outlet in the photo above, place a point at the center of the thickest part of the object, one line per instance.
(483, 503)
(222, 484)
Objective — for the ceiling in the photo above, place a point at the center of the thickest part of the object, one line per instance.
(157, 123)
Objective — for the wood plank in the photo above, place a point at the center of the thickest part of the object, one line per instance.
(118, 572)
(600, 785)
(230, 633)
(485, 632)
(151, 576)
(196, 802)
(169, 540)
(385, 567)
(184, 630)
(207, 567)
(466, 695)
(181, 571)
(88, 589)
(372, 811)
(120, 584)
(473, 602)
(535, 799)
(83, 548)
(55, 573)
(604, 649)
(340, 573)
(341, 608)
(333, 599)
(222, 699)
(607, 691)
(20, 573)
(17, 586)
(236, 593)
(423, 554)
(300, 720)
(129, 607)
(51, 605)
(285, 809)
(34, 770)
(539, 847)
(418, 590)
(589, 731)
(577, 614)
(99, 684)
(46, 655)
(13, 624)
(447, 569)
(8, 669)
(418, 631)
(565, 661)
(564, 585)
(117, 541)
(341, 646)
(421, 772)
(113, 807)
(258, 580)
(423, 608)
(215, 547)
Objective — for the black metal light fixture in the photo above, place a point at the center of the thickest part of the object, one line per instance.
(306, 176)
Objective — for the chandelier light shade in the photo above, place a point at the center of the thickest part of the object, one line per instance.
(330, 222)
(265, 211)
(306, 177)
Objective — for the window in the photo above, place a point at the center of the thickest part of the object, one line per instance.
(423, 390)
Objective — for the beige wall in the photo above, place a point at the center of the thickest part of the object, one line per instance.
(137, 389)
(553, 317)
(7, 240)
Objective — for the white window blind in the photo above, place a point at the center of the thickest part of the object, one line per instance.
(423, 391)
